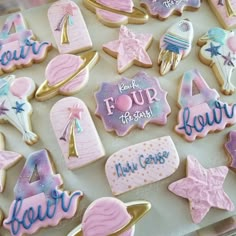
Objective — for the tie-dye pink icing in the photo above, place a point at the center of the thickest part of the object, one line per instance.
(164, 8)
(203, 188)
(130, 48)
(131, 103)
(201, 113)
(17, 49)
(39, 203)
(109, 17)
(105, 216)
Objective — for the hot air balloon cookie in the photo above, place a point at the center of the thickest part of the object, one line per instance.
(75, 132)
(218, 50)
(225, 11)
(116, 12)
(110, 216)
(66, 74)
(15, 107)
(175, 44)
(68, 27)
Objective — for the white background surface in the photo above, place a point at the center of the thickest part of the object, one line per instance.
(170, 214)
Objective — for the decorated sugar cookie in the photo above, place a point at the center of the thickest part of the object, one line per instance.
(40, 203)
(132, 102)
(230, 147)
(14, 104)
(75, 132)
(175, 44)
(203, 188)
(66, 74)
(68, 27)
(129, 49)
(18, 49)
(141, 164)
(200, 110)
(7, 160)
(110, 216)
(218, 50)
(162, 9)
(117, 12)
(225, 10)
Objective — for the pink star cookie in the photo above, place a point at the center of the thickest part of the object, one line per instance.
(129, 49)
(203, 188)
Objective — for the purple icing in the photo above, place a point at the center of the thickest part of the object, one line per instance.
(231, 148)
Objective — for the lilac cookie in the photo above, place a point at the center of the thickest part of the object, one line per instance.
(132, 102)
(230, 147)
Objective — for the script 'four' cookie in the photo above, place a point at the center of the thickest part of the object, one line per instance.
(129, 49)
(14, 105)
(175, 44)
(17, 49)
(218, 48)
(132, 102)
(75, 132)
(203, 188)
(201, 112)
(141, 164)
(165, 8)
(68, 27)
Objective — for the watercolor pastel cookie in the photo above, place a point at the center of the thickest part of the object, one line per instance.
(200, 110)
(17, 49)
(230, 147)
(225, 11)
(110, 216)
(132, 103)
(203, 188)
(218, 49)
(117, 12)
(66, 74)
(7, 160)
(129, 49)
(75, 132)
(141, 164)
(14, 105)
(39, 202)
(68, 27)
(175, 45)
(162, 9)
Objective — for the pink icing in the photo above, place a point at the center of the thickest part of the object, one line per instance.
(126, 6)
(231, 42)
(201, 113)
(20, 87)
(88, 143)
(227, 21)
(104, 217)
(141, 164)
(130, 48)
(124, 103)
(78, 35)
(62, 67)
(203, 188)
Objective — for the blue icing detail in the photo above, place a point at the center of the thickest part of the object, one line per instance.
(172, 48)
(4, 87)
(71, 20)
(217, 35)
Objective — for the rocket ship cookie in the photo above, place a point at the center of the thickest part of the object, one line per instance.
(175, 44)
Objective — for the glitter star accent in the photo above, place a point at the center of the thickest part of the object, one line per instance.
(228, 60)
(75, 112)
(68, 9)
(203, 188)
(18, 107)
(3, 109)
(213, 50)
(129, 49)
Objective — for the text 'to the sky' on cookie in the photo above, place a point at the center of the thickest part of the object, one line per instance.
(141, 164)
(200, 110)
(15, 107)
(75, 132)
(132, 103)
(203, 188)
(39, 203)
(68, 27)
(66, 74)
(218, 48)
(110, 216)
(18, 49)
